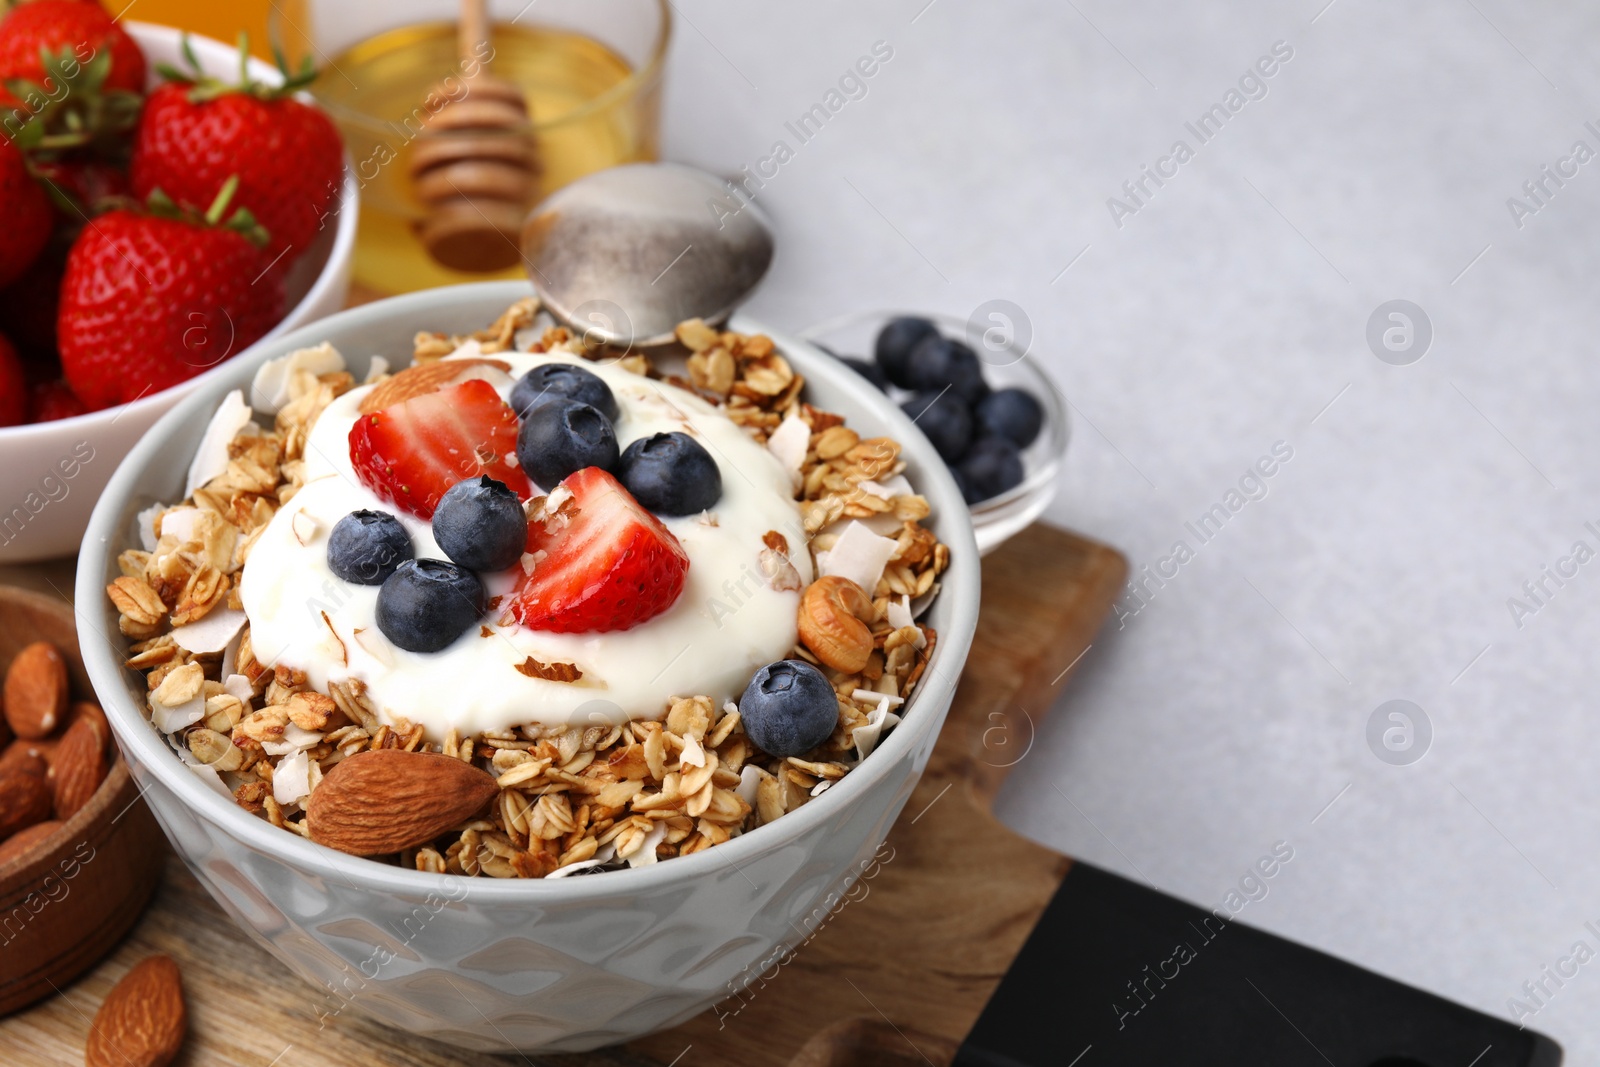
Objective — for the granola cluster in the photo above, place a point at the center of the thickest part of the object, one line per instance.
(570, 797)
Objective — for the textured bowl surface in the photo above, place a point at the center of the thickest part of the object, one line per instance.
(568, 964)
(43, 508)
(67, 901)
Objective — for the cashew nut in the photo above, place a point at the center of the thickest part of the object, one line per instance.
(834, 613)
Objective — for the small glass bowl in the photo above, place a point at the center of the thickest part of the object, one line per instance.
(1006, 364)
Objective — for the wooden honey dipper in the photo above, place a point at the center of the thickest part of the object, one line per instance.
(476, 166)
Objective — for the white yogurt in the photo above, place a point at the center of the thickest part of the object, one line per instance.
(725, 625)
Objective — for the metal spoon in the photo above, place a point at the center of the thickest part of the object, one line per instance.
(624, 255)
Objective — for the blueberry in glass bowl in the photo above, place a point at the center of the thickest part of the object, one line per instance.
(1005, 444)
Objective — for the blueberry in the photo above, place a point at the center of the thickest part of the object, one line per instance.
(549, 380)
(427, 603)
(868, 370)
(895, 342)
(560, 435)
(961, 483)
(990, 467)
(938, 363)
(1010, 413)
(480, 524)
(365, 547)
(943, 420)
(671, 474)
(789, 708)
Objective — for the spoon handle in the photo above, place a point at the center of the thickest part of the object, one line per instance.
(474, 29)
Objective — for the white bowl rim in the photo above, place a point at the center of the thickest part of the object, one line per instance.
(151, 752)
(344, 241)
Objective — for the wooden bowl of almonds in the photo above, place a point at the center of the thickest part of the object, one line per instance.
(80, 854)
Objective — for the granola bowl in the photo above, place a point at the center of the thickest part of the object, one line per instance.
(55, 470)
(483, 959)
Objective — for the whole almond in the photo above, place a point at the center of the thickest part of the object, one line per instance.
(387, 799)
(84, 709)
(79, 768)
(33, 757)
(142, 1021)
(18, 843)
(420, 379)
(24, 800)
(36, 690)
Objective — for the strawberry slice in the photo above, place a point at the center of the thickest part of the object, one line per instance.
(608, 565)
(412, 452)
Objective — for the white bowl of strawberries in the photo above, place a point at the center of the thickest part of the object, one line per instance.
(145, 240)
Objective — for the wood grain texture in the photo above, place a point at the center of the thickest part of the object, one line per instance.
(896, 975)
(69, 898)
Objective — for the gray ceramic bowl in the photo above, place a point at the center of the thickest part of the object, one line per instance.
(492, 965)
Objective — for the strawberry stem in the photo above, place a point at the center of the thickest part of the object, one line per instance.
(206, 87)
(220, 204)
(241, 221)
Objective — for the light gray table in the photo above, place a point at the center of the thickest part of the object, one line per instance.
(1229, 312)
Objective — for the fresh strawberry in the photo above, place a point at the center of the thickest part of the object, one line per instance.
(49, 401)
(196, 132)
(28, 307)
(13, 386)
(36, 35)
(608, 564)
(25, 214)
(87, 182)
(152, 298)
(413, 452)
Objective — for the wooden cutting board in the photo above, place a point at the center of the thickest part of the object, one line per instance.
(897, 975)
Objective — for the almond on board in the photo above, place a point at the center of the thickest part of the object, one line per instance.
(79, 768)
(24, 800)
(35, 691)
(142, 1021)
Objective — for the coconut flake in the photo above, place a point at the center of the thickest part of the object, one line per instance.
(749, 781)
(211, 458)
(376, 369)
(212, 633)
(147, 526)
(291, 778)
(373, 644)
(789, 442)
(239, 687)
(179, 524)
(304, 527)
(575, 868)
(866, 737)
(872, 696)
(901, 615)
(898, 486)
(859, 555)
(867, 485)
(295, 739)
(270, 389)
(230, 657)
(171, 720)
(900, 612)
(645, 854)
(692, 755)
(821, 788)
(205, 772)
